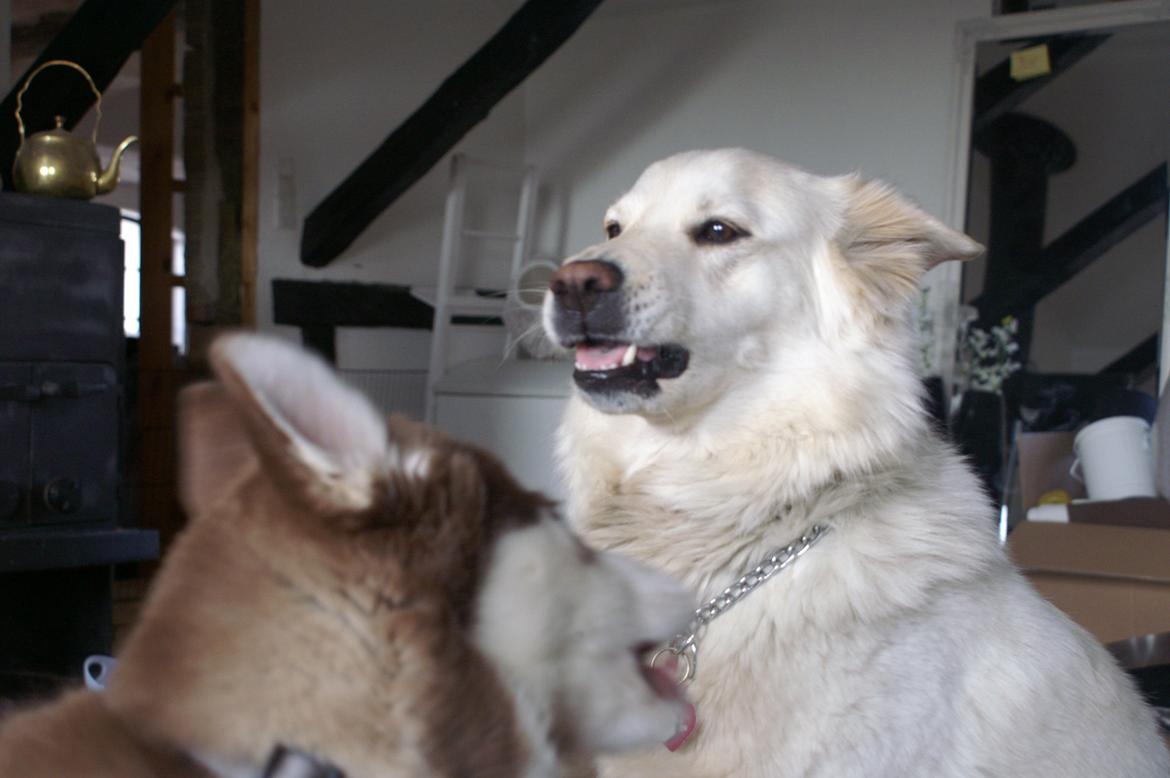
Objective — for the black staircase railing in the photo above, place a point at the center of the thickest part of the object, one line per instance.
(1079, 246)
(1024, 151)
(997, 93)
(1140, 361)
(1124, 214)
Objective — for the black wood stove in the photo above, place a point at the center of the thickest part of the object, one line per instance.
(62, 389)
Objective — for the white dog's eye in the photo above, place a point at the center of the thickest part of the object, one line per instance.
(613, 229)
(717, 231)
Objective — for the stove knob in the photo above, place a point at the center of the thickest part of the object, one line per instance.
(63, 495)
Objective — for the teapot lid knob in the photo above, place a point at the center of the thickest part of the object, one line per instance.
(60, 121)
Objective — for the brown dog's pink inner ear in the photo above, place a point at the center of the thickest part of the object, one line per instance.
(214, 446)
(321, 439)
(299, 399)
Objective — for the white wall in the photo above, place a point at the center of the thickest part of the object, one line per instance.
(833, 86)
(335, 81)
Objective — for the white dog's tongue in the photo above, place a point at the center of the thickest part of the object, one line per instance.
(593, 356)
(600, 357)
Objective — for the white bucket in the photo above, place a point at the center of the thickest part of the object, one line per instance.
(1114, 460)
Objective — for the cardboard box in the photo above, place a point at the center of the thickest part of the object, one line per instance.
(1112, 580)
(1152, 512)
(1045, 461)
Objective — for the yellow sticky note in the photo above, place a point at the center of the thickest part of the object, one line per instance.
(1031, 62)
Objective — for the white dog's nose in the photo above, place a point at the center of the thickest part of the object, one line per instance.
(579, 286)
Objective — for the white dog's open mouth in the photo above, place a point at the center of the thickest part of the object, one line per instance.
(614, 366)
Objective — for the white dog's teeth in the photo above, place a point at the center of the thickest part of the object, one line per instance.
(630, 355)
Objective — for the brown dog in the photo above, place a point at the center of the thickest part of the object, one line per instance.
(380, 598)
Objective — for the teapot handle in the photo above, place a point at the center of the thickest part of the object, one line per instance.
(98, 95)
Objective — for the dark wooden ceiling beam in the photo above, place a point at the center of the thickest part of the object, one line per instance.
(320, 307)
(100, 37)
(462, 101)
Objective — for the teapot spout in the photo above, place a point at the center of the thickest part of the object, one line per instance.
(109, 177)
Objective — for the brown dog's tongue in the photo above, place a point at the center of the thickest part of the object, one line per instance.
(662, 679)
(684, 732)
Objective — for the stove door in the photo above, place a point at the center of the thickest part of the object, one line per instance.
(74, 441)
(59, 443)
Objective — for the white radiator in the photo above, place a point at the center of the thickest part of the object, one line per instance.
(392, 391)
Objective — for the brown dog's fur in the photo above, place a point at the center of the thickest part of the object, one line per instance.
(284, 615)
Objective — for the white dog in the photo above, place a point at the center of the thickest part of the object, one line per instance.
(745, 377)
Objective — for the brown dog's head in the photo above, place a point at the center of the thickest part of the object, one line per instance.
(379, 595)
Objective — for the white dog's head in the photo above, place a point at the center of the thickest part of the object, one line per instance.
(724, 264)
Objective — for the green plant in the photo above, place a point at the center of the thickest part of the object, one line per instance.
(986, 357)
(925, 334)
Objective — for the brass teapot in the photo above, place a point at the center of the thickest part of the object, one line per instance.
(55, 162)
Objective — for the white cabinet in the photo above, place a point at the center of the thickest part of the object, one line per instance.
(512, 408)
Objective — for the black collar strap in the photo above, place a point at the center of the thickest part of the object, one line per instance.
(289, 763)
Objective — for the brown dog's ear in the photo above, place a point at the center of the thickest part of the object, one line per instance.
(214, 447)
(891, 243)
(321, 438)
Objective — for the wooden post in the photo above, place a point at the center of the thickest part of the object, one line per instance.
(154, 465)
(250, 179)
(157, 127)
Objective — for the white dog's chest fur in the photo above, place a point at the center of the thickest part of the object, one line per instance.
(902, 644)
(869, 657)
(767, 667)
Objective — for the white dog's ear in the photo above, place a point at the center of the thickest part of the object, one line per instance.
(320, 437)
(891, 243)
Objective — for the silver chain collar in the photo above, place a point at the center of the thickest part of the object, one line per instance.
(686, 646)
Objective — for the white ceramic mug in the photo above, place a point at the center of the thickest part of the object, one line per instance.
(1114, 459)
(531, 282)
(96, 670)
